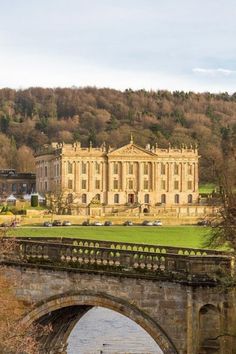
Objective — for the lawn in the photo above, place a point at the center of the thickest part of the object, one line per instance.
(207, 188)
(181, 236)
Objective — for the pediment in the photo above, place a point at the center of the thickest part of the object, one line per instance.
(131, 150)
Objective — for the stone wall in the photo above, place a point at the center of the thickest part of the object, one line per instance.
(170, 312)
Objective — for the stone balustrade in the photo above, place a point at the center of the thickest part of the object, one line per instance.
(141, 259)
(128, 246)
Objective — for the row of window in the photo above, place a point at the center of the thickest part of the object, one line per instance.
(146, 198)
(130, 168)
(17, 187)
(83, 167)
(130, 184)
(177, 185)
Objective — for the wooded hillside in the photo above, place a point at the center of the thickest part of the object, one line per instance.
(35, 116)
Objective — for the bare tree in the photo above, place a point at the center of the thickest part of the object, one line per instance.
(224, 227)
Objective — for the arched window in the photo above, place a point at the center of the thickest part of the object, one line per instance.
(84, 198)
(163, 199)
(98, 197)
(190, 198)
(116, 198)
(176, 198)
(146, 198)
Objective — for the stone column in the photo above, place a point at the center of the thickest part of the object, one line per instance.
(190, 349)
(123, 176)
(63, 174)
(77, 176)
(155, 176)
(195, 177)
(90, 177)
(139, 176)
(110, 165)
(152, 176)
(183, 174)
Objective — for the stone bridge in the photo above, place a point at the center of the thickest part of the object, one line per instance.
(175, 294)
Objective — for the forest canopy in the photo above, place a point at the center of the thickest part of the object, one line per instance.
(35, 116)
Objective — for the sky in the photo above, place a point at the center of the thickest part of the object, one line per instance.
(185, 45)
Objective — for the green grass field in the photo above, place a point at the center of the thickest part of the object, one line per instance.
(181, 236)
(207, 188)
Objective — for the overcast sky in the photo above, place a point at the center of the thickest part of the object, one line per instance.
(151, 44)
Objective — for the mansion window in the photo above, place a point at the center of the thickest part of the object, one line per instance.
(176, 169)
(84, 167)
(131, 184)
(145, 169)
(69, 167)
(14, 187)
(163, 169)
(115, 184)
(97, 184)
(176, 184)
(45, 186)
(58, 170)
(130, 168)
(41, 171)
(84, 184)
(116, 198)
(190, 185)
(163, 199)
(190, 199)
(145, 184)
(45, 171)
(70, 184)
(163, 184)
(190, 169)
(115, 168)
(97, 167)
(146, 198)
(84, 198)
(176, 198)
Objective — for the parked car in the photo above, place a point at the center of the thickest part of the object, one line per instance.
(157, 223)
(66, 223)
(85, 223)
(108, 223)
(128, 223)
(47, 224)
(97, 223)
(147, 223)
(57, 223)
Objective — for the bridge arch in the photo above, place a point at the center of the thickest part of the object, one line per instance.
(65, 310)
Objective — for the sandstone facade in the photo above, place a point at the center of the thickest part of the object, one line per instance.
(130, 175)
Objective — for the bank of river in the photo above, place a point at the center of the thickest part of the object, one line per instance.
(102, 331)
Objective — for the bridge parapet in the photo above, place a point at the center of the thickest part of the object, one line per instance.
(157, 264)
(129, 246)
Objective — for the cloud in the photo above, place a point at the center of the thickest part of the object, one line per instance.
(214, 72)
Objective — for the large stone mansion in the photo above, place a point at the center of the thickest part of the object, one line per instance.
(128, 176)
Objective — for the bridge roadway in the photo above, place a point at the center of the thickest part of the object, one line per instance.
(174, 293)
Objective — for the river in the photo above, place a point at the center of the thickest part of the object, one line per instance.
(102, 331)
